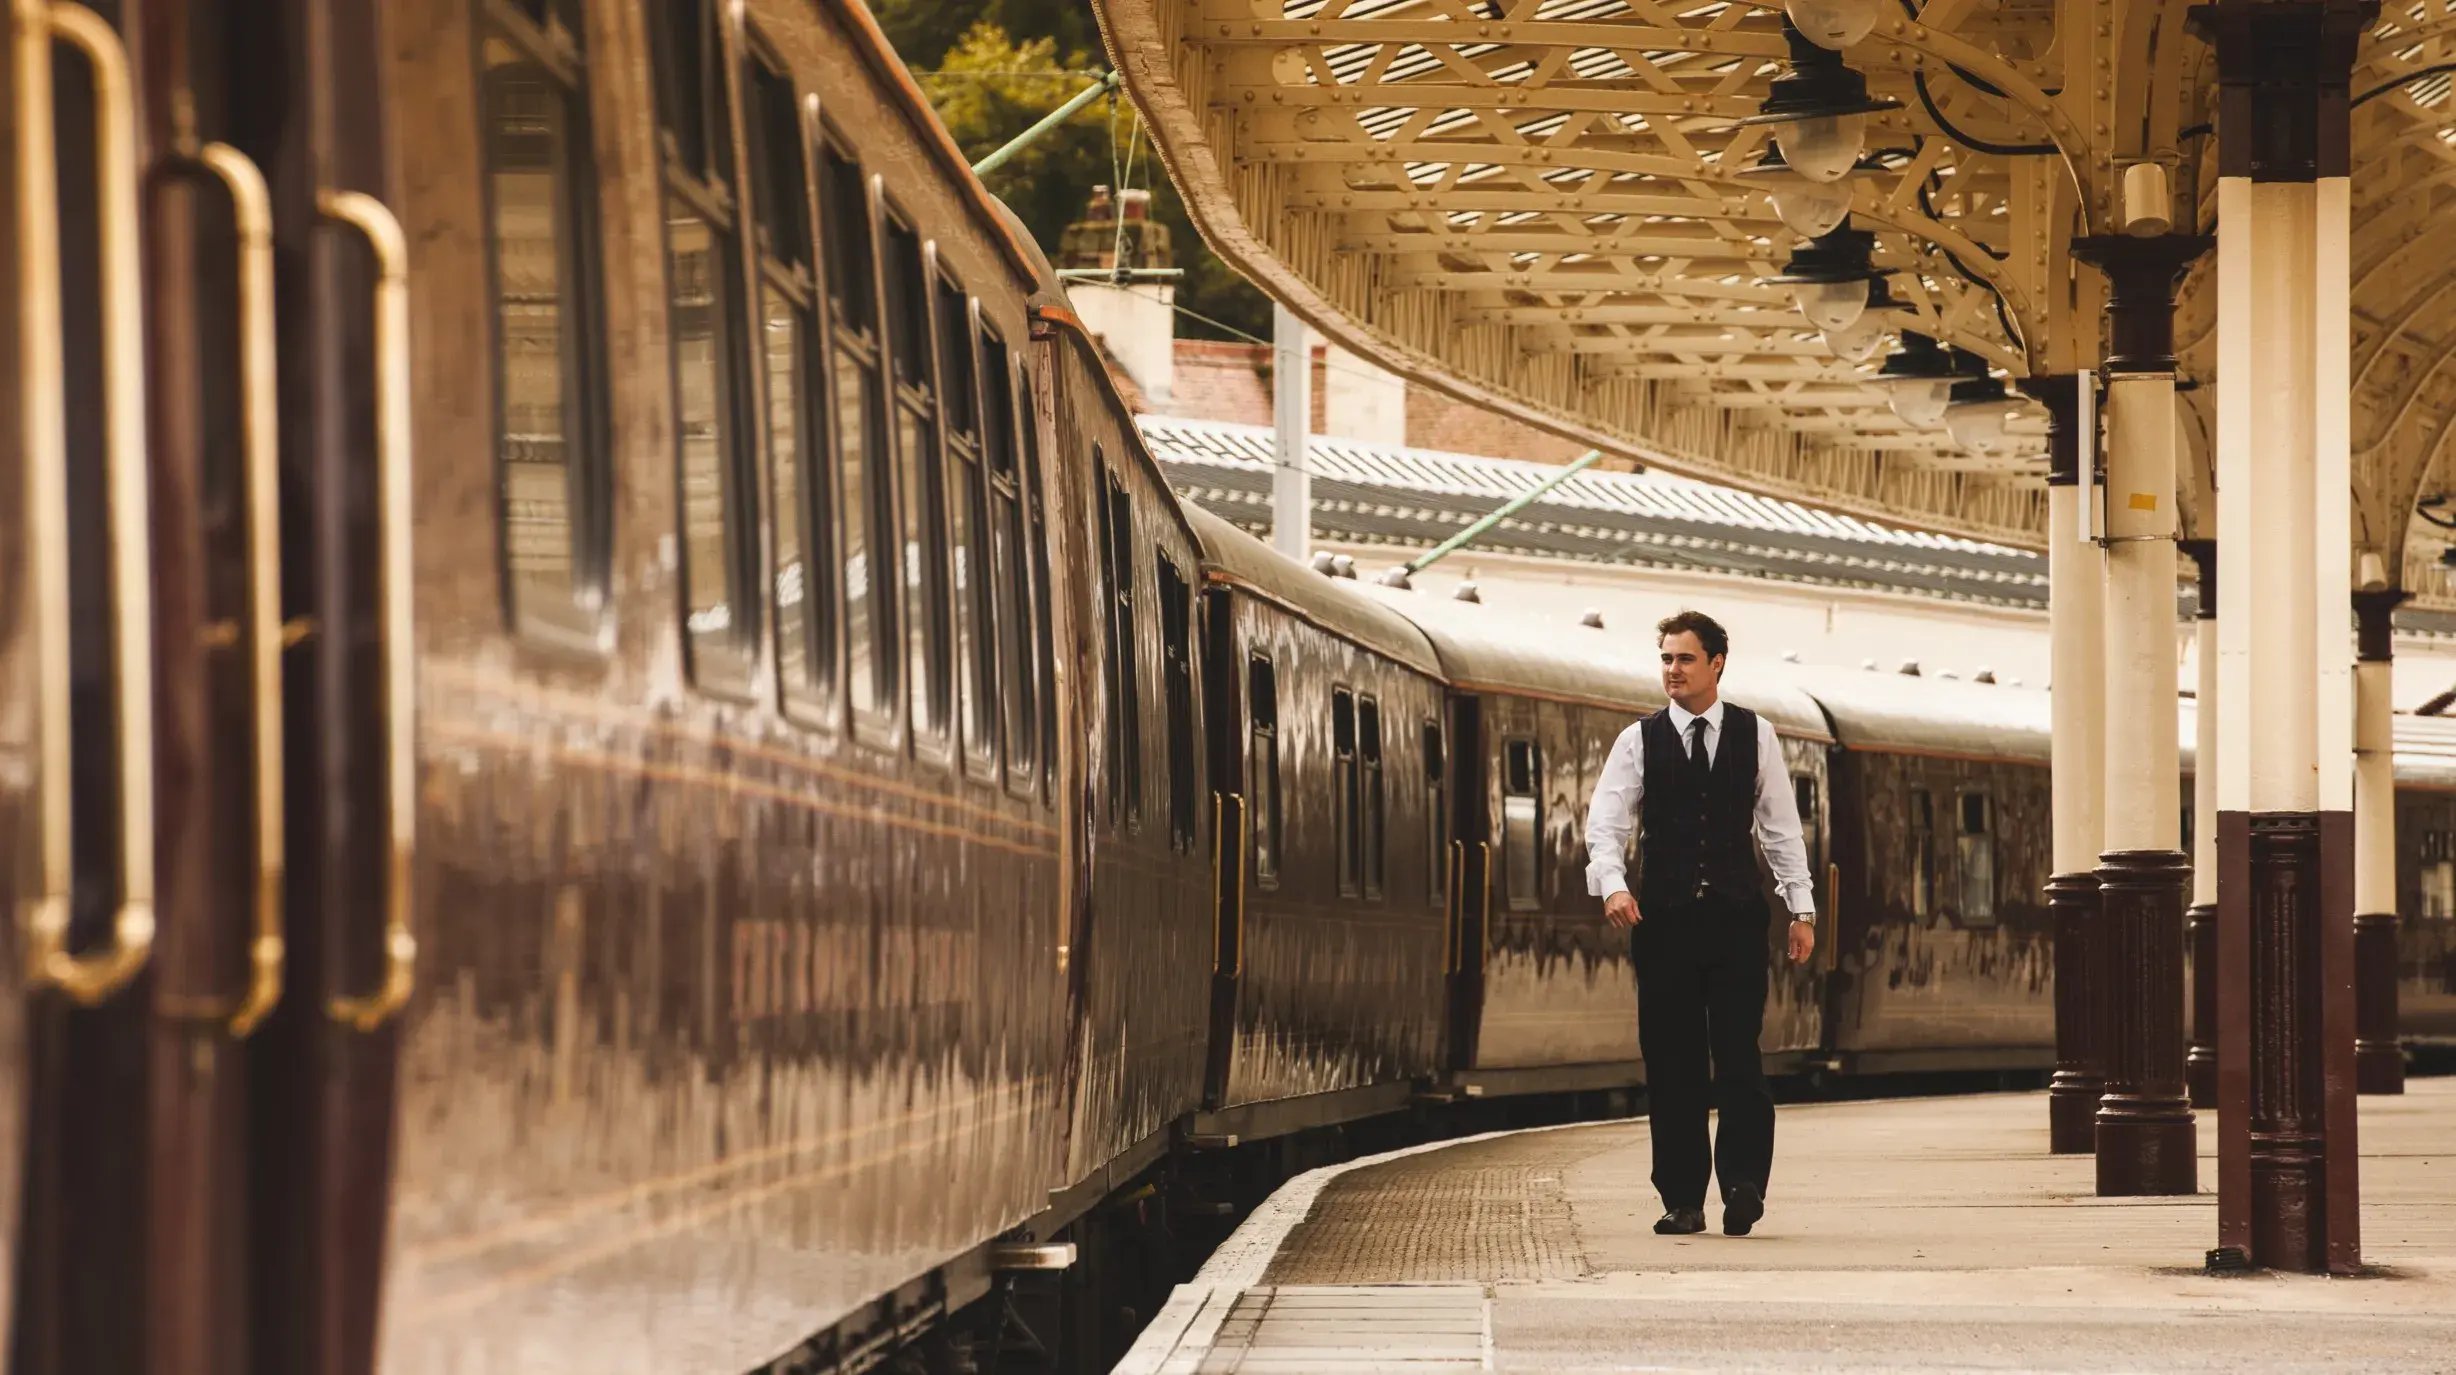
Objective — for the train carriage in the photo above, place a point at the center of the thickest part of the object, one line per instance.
(769, 638)
(1333, 939)
(1545, 997)
(1139, 954)
(2425, 748)
(1941, 948)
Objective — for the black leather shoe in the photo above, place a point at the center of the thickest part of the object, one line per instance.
(1741, 1210)
(1680, 1222)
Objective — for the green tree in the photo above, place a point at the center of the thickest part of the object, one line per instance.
(924, 31)
(990, 83)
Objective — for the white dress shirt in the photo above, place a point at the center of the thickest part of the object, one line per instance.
(1613, 813)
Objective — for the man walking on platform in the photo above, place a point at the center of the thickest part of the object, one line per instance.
(1701, 781)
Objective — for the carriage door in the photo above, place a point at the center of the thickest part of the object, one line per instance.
(140, 650)
(304, 95)
(1469, 876)
(1225, 700)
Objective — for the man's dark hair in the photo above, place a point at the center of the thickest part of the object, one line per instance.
(1709, 632)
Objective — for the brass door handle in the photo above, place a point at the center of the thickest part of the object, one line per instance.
(366, 214)
(1453, 877)
(1833, 915)
(1245, 849)
(1219, 846)
(251, 206)
(86, 979)
(1483, 912)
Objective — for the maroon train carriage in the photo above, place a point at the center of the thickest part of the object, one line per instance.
(1139, 951)
(1942, 956)
(1333, 938)
(2426, 881)
(701, 927)
(1544, 997)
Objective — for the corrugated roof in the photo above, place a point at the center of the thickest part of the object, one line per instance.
(1381, 494)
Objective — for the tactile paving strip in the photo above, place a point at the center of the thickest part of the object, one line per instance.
(1483, 1211)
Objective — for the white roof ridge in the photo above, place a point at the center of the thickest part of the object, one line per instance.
(1447, 472)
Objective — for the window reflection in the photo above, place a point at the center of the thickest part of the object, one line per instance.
(553, 550)
(695, 321)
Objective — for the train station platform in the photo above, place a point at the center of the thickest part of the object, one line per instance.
(1904, 1234)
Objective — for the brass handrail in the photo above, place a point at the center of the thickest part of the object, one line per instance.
(251, 206)
(365, 1012)
(1833, 915)
(87, 979)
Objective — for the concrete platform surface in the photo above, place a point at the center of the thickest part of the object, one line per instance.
(1914, 1234)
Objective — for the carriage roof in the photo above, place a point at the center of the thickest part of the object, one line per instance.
(1237, 559)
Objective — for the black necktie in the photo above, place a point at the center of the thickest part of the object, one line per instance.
(1697, 744)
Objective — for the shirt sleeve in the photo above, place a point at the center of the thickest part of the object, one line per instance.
(1612, 813)
(1777, 825)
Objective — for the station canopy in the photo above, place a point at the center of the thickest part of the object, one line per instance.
(1700, 236)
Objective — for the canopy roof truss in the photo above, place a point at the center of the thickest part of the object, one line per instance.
(1536, 205)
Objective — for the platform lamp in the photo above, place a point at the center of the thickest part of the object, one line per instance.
(1829, 275)
(1980, 408)
(1818, 111)
(1806, 208)
(1858, 341)
(1833, 24)
(1918, 380)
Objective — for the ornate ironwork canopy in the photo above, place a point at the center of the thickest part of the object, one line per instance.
(1601, 215)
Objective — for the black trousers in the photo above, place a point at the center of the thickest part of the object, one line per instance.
(1701, 979)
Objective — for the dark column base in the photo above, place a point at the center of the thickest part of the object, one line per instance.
(2147, 1148)
(2145, 1143)
(2072, 1113)
(2379, 1062)
(2072, 1095)
(2287, 1135)
(2200, 1054)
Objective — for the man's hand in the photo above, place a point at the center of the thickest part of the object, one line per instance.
(1620, 909)
(1803, 941)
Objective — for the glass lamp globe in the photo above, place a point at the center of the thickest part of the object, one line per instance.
(1857, 341)
(1977, 425)
(1811, 209)
(1921, 404)
(1822, 147)
(1831, 306)
(1832, 24)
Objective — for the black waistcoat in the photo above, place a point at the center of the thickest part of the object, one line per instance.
(1698, 823)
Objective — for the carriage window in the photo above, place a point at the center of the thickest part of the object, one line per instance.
(1113, 714)
(1177, 649)
(1123, 718)
(1976, 852)
(706, 320)
(1345, 824)
(1522, 824)
(1369, 762)
(1436, 882)
(1015, 592)
(2438, 874)
(1922, 853)
(789, 333)
(1035, 534)
(550, 422)
(858, 400)
(691, 97)
(1262, 766)
(916, 433)
(976, 645)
